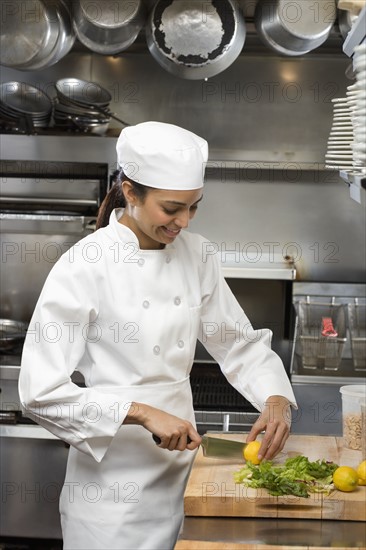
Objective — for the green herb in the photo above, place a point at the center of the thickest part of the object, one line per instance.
(297, 476)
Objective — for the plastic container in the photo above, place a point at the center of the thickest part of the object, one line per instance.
(363, 423)
(353, 397)
(357, 329)
(318, 351)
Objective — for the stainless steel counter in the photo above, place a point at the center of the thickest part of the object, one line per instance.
(266, 531)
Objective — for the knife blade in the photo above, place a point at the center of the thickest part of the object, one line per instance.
(215, 447)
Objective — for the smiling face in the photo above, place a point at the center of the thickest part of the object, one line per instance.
(158, 219)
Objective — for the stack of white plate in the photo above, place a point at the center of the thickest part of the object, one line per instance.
(339, 149)
(359, 109)
(346, 148)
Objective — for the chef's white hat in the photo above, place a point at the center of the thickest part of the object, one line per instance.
(162, 155)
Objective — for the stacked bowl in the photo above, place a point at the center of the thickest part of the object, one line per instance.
(82, 106)
(24, 105)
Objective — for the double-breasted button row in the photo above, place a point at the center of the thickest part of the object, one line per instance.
(141, 261)
(146, 303)
(156, 349)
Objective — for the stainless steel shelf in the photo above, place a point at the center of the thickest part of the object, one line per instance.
(260, 272)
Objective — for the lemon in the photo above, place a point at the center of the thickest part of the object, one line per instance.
(345, 479)
(251, 452)
(361, 471)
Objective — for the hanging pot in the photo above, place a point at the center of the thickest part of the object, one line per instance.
(108, 28)
(294, 28)
(65, 41)
(30, 31)
(36, 34)
(195, 40)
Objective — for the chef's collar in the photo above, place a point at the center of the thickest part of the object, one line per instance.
(163, 156)
(126, 234)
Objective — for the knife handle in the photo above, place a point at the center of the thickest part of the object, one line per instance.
(157, 439)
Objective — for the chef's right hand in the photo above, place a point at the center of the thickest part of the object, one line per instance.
(175, 434)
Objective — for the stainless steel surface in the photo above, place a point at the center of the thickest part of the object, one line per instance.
(30, 30)
(45, 189)
(49, 223)
(216, 421)
(65, 40)
(108, 28)
(12, 332)
(276, 532)
(270, 175)
(294, 29)
(80, 92)
(319, 408)
(193, 40)
(47, 207)
(19, 100)
(32, 473)
(347, 371)
(214, 447)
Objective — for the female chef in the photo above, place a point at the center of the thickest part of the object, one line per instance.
(125, 307)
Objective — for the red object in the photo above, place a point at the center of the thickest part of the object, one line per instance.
(328, 328)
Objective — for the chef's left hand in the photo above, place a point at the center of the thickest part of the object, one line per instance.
(275, 420)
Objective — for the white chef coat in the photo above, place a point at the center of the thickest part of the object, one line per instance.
(128, 320)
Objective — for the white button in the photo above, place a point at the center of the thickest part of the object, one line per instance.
(145, 304)
(141, 262)
(168, 259)
(180, 344)
(177, 301)
(156, 350)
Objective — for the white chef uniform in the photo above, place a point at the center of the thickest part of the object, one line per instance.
(128, 320)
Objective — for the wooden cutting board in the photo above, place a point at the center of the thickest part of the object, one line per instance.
(211, 490)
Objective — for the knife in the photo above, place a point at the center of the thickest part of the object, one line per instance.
(215, 447)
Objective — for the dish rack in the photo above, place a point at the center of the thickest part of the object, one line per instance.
(317, 346)
(357, 329)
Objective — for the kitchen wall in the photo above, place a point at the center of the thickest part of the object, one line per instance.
(267, 120)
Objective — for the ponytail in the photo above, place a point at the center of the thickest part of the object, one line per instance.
(115, 198)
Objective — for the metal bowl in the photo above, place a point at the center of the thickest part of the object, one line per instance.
(294, 28)
(20, 100)
(30, 30)
(108, 27)
(195, 40)
(82, 93)
(12, 333)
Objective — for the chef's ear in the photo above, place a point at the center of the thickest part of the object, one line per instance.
(129, 192)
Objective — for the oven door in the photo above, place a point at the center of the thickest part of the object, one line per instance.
(33, 466)
(31, 243)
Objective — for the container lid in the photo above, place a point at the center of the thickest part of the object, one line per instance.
(357, 392)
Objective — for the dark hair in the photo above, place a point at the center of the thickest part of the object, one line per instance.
(115, 198)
